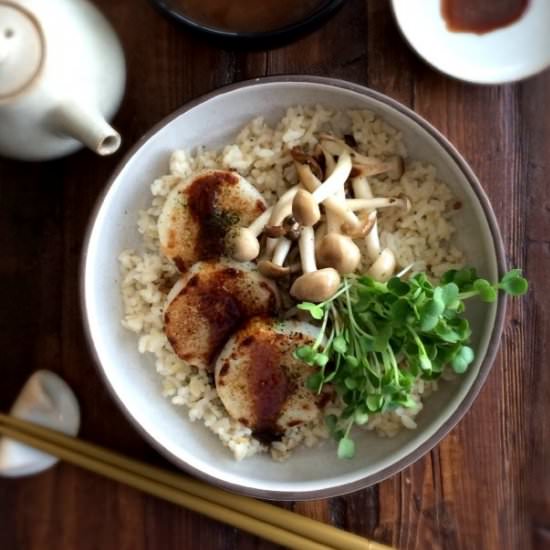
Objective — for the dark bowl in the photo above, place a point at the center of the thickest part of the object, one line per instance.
(266, 39)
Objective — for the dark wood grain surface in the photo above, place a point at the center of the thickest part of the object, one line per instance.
(487, 485)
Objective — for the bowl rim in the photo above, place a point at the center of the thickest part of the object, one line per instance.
(485, 366)
(288, 31)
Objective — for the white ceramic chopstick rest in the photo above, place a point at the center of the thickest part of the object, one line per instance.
(47, 400)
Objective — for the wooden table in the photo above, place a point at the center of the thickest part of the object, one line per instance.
(486, 486)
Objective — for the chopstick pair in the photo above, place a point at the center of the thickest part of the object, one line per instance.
(258, 518)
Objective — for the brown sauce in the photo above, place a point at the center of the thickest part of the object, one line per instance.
(213, 224)
(247, 15)
(268, 382)
(481, 16)
(224, 313)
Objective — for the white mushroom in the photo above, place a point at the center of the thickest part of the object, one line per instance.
(355, 226)
(274, 268)
(384, 266)
(362, 190)
(281, 210)
(384, 262)
(323, 191)
(378, 202)
(333, 203)
(335, 249)
(243, 242)
(313, 285)
(370, 166)
(330, 163)
(336, 180)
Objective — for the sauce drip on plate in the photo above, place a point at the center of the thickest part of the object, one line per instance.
(247, 15)
(481, 16)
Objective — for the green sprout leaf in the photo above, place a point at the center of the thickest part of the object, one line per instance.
(320, 359)
(449, 294)
(315, 382)
(339, 344)
(462, 359)
(314, 310)
(381, 338)
(374, 402)
(430, 313)
(513, 283)
(305, 353)
(346, 448)
(486, 290)
(398, 287)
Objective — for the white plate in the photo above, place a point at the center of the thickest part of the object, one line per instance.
(214, 120)
(511, 53)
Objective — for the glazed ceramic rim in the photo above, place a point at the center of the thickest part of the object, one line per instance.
(288, 31)
(486, 363)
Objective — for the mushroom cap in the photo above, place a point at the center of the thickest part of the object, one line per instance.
(242, 244)
(340, 252)
(305, 208)
(316, 286)
(274, 231)
(271, 270)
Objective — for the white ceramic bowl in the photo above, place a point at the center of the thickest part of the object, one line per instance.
(510, 53)
(213, 121)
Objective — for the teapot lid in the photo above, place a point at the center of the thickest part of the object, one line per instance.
(21, 49)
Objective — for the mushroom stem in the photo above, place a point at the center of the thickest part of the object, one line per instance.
(361, 187)
(274, 268)
(257, 226)
(330, 163)
(382, 269)
(378, 202)
(281, 210)
(369, 166)
(334, 215)
(281, 251)
(336, 180)
(362, 190)
(306, 245)
(283, 207)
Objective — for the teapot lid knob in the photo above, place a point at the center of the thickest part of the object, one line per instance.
(21, 50)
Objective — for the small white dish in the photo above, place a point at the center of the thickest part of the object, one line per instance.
(45, 399)
(510, 53)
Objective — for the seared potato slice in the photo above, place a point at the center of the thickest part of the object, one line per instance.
(210, 302)
(199, 212)
(259, 380)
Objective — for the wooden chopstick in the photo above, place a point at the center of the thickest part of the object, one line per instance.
(284, 520)
(176, 496)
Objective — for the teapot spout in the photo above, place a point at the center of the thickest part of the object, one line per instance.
(87, 126)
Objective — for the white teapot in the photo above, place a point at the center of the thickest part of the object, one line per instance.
(62, 75)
